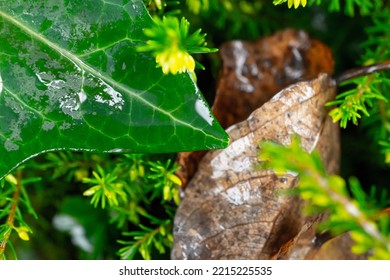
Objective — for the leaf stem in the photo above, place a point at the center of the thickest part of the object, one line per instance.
(12, 213)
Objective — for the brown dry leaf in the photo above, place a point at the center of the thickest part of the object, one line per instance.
(231, 210)
(253, 72)
(188, 162)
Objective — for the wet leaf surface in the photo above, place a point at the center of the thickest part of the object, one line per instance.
(72, 79)
(233, 210)
(252, 72)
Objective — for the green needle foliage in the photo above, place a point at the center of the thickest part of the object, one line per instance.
(105, 188)
(147, 239)
(136, 194)
(14, 201)
(365, 94)
(130, 199)
(360, 215)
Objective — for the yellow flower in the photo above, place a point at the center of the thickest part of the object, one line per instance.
(296, 3)
(158, 4)
(172, 45)
(175, 61)
(11, 178)
(387, 157)
(174, 179)
(23, 233)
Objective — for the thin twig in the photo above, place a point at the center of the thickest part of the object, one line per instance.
(363, 71)
(12, 213)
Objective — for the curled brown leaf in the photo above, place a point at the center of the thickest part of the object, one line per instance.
(231, 209)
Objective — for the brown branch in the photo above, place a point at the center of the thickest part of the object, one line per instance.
(363, 71)
(11, 216)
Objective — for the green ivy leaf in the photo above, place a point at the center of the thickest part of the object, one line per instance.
(71, 78)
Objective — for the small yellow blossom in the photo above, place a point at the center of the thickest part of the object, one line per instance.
(387, 157)
(172, 45)
(175, 61)
(296, 3)
(197, 6)
(23, 233)
(11, 178)
(174, 179)
(158, 4)
(91, 191)
(80, 174)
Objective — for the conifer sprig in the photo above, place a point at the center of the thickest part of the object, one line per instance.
(361, 216)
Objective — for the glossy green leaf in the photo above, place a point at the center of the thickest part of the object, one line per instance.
(72, 79)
